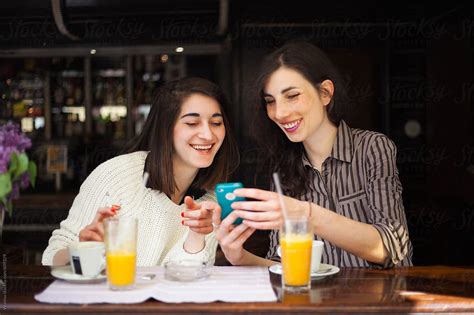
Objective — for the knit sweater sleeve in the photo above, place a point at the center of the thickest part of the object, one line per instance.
(207, 254)
(92, 195)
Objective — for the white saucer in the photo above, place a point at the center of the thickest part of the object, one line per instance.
(277, 269)
(66, 273)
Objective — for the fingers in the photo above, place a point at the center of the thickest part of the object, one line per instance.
(266, 225)
(236, 237)
(105, 212)
(209, 205)
(216, 215)
(271, 205)
(227, 231)
(197, 218)
(255, 193)
(95, 230)
(227, 236)
(190, 203)
(239, 242)
(197, 214)
(228, 222)
(198, 223)
(259, 216)
(99, 227)
(91, 233)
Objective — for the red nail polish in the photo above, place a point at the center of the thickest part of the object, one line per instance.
(182, 214)
(182, 222)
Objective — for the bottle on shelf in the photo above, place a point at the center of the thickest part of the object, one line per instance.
(68, 126)
(78, 95)
(59, 94)
(78, 127)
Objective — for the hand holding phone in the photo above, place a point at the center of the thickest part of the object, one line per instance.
(225, 198)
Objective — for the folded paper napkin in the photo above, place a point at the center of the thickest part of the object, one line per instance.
(227, 284)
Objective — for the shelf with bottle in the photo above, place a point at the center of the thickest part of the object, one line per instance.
(109, 101)
(148, 75)
(22, 92)
(67, 102)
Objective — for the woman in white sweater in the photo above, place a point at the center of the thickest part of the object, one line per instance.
(186, 146)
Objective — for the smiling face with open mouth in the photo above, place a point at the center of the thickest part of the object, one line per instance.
(294, 104)
(198, 133)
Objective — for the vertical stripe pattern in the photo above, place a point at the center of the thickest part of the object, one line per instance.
(360, 181)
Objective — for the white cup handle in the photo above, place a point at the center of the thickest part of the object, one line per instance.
(102, 262)
(102, 265)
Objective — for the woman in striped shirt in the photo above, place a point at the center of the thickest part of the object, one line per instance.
(344, 179)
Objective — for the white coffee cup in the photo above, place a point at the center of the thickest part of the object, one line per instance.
(87, 258)
(316, 254)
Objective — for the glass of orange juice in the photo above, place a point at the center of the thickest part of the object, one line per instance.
(121, 252)
(296, 241)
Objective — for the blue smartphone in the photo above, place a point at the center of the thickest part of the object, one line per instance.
(225, 197)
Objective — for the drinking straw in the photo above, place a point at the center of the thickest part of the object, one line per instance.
(276, 180)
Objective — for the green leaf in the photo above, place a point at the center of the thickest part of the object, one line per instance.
(10, 208)
(22, 165)
(13, 163)
(5, 185)
(4, 202)
(32, 171)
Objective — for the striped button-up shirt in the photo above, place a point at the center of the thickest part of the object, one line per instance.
(359, 180)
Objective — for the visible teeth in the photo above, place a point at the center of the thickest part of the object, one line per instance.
(291, 124)
(201, 147)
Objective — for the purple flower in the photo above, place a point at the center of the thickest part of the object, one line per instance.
(11, 137)
(15, 193)
(24, 180)
(12, 140)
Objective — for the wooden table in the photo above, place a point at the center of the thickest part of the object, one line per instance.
(415, 289)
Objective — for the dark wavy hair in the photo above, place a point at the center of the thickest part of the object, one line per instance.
(157, 137)
(277, 152)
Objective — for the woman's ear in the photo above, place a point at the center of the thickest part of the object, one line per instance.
(327, 91)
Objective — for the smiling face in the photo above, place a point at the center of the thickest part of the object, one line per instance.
(198, 133)
(294, 104)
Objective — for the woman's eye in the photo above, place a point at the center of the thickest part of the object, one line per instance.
(269, 101)
(191, 124)
(293, 96)
(216, 124)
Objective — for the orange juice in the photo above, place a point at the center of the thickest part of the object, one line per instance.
(296, 258)
(121, 268)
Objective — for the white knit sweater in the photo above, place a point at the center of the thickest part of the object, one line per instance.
(160, 233)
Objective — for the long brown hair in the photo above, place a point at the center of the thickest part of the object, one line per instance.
(277, 152)
(157, 137)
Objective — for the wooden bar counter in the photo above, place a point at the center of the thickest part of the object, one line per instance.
(406, 290)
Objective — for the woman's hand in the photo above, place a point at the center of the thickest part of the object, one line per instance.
(95, 230)
(198, 216)
(232, 237)
(266, 213)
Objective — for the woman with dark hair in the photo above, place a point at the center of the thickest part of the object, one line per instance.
(344, 179)
(186, 147)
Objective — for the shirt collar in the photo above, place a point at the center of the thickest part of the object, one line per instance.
(343, 148)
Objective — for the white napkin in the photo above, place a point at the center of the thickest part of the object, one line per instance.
(227, 284)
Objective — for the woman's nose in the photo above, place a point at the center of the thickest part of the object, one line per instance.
(206, 132)
(281, 111)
